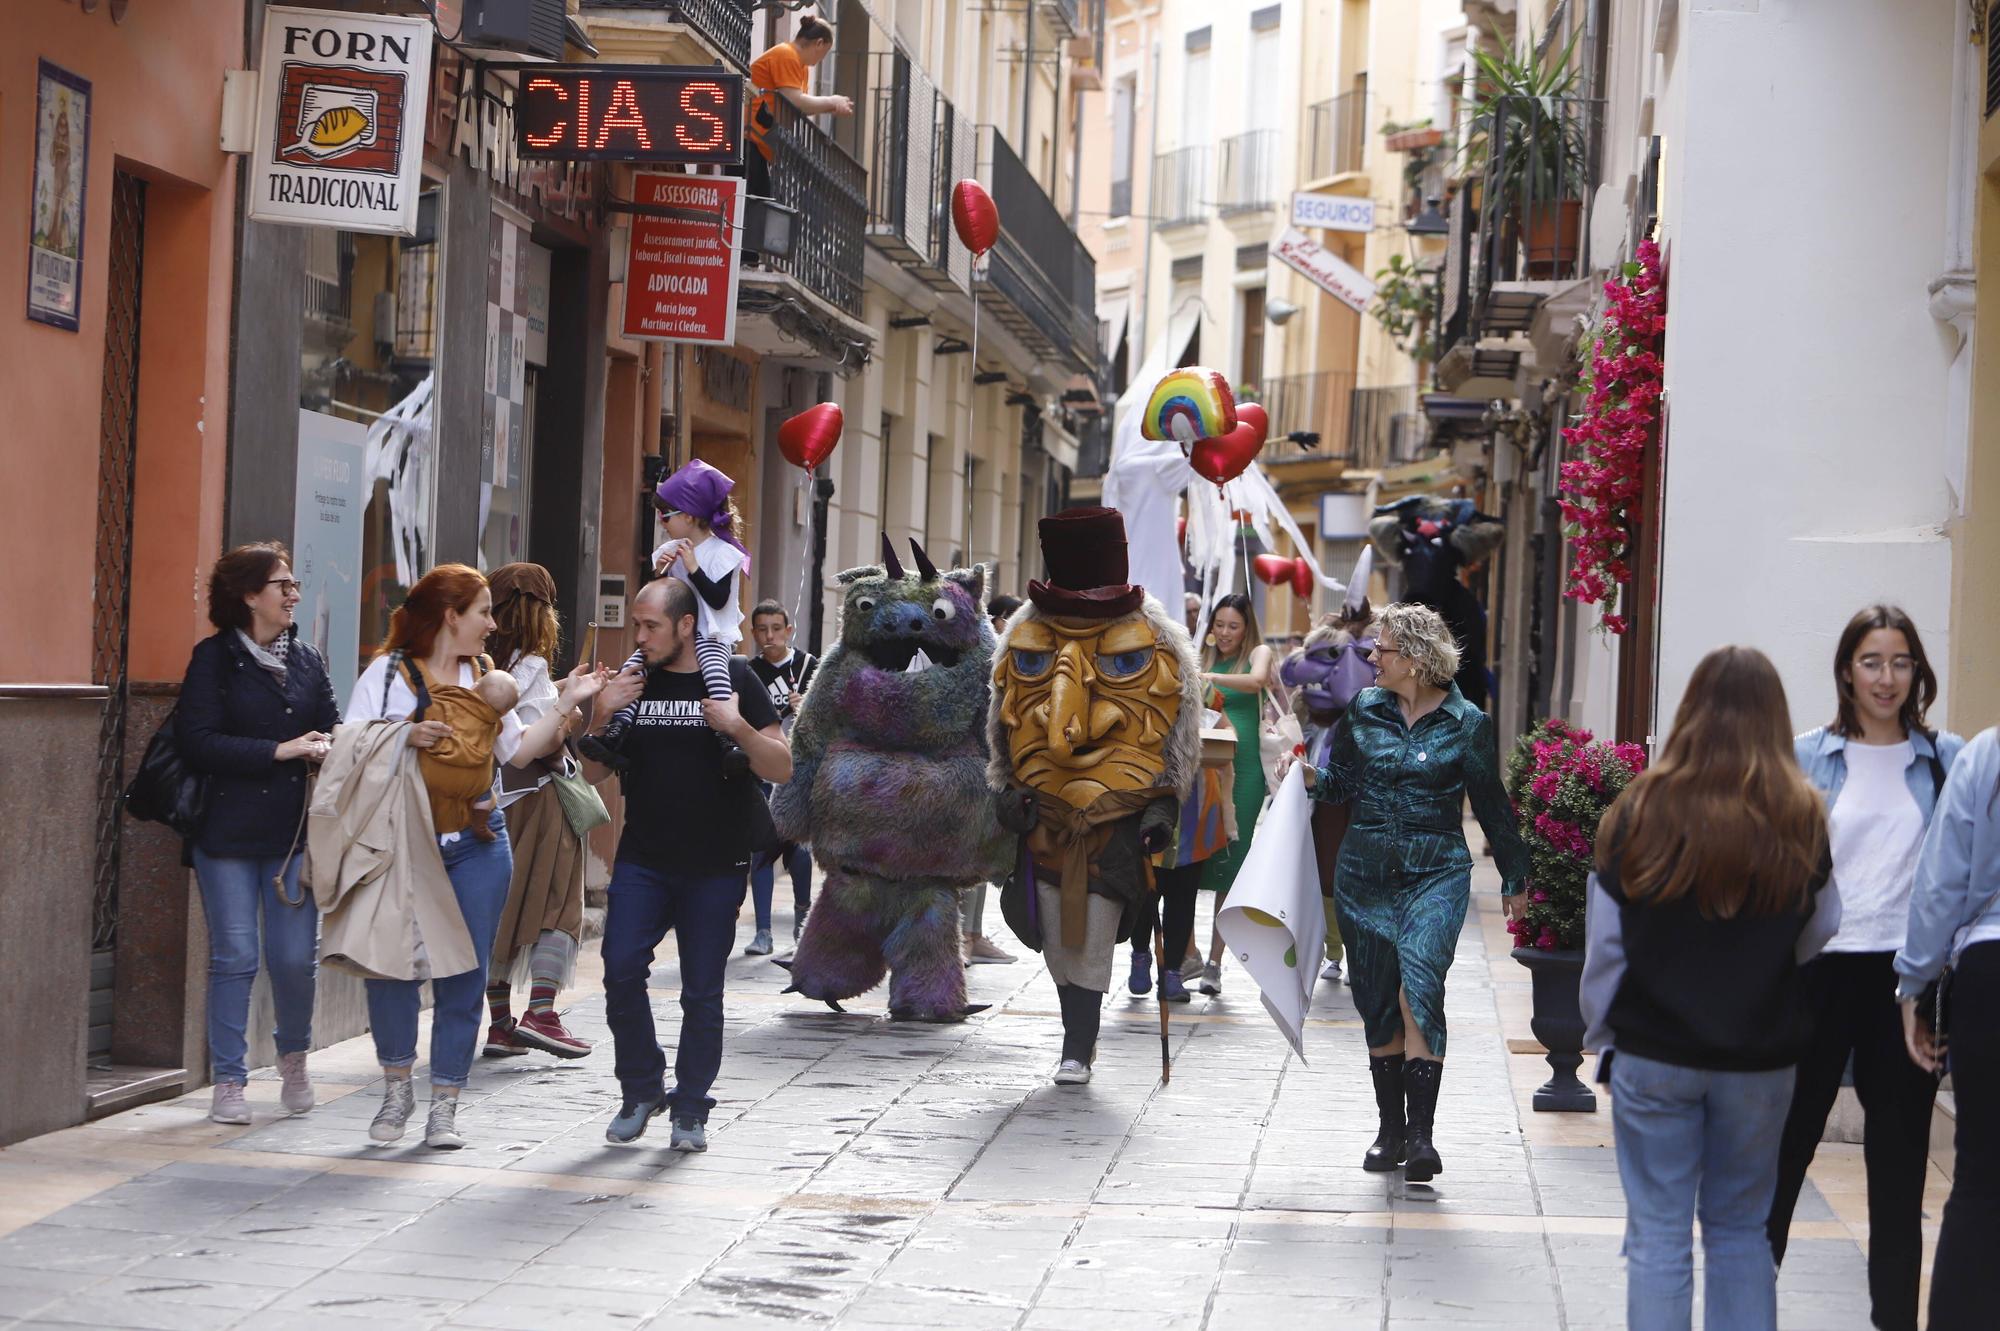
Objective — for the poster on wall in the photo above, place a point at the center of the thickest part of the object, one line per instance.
(326, 541)
(340, 120)
(62, 166)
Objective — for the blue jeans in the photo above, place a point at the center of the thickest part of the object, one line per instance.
(799, 864)
(1694, 1141)
(700, 909)
(232, 893)
(480, 872)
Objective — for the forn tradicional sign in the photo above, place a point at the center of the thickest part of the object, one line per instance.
(636, 113)
(340, 120)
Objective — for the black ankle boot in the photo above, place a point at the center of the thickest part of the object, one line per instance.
(1420, 1089)
(1387, 1152)
(1081, 1010)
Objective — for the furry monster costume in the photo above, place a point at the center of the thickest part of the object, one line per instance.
(1095, 736)
(888, 787)
(1431, 539)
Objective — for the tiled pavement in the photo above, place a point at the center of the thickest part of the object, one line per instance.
(874, 1176)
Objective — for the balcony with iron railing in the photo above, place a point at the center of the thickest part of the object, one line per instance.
(1319, 404)
(1533, 209)
(920, 145)
(1249, 172)
(723, 24)
(1338, 135)
(1385, 426)
(1180, 186)
(1045, 277)
(828, 191)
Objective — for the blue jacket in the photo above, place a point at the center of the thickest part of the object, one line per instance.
(1958, 873)
(231, 717)
(1823, 757)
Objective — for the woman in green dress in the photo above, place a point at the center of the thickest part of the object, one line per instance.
(1239, 667)
(1407, 755)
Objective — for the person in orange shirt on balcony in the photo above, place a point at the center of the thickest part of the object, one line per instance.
(782, 71)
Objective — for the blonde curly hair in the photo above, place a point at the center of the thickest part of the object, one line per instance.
(1424, 640)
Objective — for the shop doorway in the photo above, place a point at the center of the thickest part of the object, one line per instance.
(112, 606)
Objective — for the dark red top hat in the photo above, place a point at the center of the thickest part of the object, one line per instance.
(1085, 551)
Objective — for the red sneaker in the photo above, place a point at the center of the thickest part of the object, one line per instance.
(501, 1043)
(544, 1031)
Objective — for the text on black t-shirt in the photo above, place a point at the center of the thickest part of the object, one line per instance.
(680, 814)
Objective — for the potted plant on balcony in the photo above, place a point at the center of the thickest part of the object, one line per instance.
(1405, 301)
(1415, 136)
(1562, 779)
(1528, 132)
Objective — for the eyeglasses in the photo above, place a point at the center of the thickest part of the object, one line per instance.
(1376, 649)
(286, 585)
(1901, 667)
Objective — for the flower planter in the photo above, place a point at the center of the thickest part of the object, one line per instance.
(1412, 140)
(1551, 233)
(1558, 1024)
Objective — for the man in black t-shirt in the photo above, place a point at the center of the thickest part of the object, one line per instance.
(682, 859)
(785, 672)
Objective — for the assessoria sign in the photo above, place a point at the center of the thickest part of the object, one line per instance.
(340, 120)
(629, 113)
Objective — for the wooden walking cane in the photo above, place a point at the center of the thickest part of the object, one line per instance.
(1160, 961)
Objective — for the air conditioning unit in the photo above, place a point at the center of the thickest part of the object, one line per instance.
(531, 29)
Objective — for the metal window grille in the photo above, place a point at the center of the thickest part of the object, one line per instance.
(1339, 135)
(1180, 186)
(1249, 173)
(112, 599)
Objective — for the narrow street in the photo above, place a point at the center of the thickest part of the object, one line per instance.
(867, 1175)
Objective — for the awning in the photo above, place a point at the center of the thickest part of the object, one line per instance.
(1112, 313)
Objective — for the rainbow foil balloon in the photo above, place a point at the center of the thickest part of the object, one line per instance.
(1188, 405)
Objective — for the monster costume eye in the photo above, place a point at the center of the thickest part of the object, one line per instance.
(864, 606)
(943, 610)
(1032, 665)
(1123, 665)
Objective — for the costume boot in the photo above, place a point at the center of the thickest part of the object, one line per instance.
(1387, 1152)
(1420, 1089)
(1081, 1009)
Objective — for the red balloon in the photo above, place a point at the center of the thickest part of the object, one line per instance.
(974, 217)
(1272, 569)
(1224, 458)
(1250, 411)
(807, 439)
(1302, 579)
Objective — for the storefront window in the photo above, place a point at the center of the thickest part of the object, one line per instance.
(517, 339)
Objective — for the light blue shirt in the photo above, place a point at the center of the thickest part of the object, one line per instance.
(1822, 756)
(1958, 872)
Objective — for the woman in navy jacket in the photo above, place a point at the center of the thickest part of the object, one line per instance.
(254, 713)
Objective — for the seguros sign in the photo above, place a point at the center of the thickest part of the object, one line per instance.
(340, 110)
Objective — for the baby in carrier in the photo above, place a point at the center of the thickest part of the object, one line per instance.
(458, 769)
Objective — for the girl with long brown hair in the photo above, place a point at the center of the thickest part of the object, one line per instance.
(1711, 888)
(438, 637)
(1238, 670)
(1882, 770)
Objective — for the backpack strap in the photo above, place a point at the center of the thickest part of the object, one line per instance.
(417, 686)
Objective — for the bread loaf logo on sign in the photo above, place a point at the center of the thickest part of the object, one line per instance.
(339, 115)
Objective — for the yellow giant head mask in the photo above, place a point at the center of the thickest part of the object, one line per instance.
(1086, 706)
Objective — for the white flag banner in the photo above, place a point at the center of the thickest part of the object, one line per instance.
(1274, 920)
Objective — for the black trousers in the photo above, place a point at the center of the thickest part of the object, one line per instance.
(1178, 889)
(1962, 1277)
(1853, 998)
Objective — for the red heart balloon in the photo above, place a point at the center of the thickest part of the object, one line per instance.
(974, 217)
(807, 439)
(1251, 412)
(1272, 569)
(1302, 579)
(1224, 458)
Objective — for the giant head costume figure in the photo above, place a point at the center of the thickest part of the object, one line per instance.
(889, 787)
(1431, 540)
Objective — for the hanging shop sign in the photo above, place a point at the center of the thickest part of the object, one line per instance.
(1325, 269)
(1335, 212)
(639, 113)
(340, 120)
(681, 271)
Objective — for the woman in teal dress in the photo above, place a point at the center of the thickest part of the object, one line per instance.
(1407, 755)
(1237, 664)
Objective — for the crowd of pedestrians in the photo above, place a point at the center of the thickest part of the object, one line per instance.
(1769, 918)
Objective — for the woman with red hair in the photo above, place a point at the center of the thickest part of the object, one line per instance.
(437, 637)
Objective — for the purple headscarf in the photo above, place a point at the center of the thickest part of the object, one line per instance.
(702, 492)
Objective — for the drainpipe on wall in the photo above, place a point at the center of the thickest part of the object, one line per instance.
(1028, 87)
(1152, 161)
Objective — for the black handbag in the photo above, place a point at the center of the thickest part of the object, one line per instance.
(165, 789)
(1934, 1003)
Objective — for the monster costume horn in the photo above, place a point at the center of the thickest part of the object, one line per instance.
(889, 560)
(924, 565)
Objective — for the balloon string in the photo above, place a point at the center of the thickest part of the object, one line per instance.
(972, 389)
(805, 563)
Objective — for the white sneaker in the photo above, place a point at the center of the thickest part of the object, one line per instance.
(399, 1101)
(1211, 978)
(982, 951)
(228, 1105)
(1192, 968)
(441, 1128)
(297, 1095)
(1072, 1072)
(1332, 972)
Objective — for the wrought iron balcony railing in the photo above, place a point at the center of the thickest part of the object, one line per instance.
(724, 24)
(1180, 186)
(1385, 426)
(1047, 279)
(1339, 135)
(813, 175)
(1249, 172)
(1533, 218)
(920, 145)
(1319, 403)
